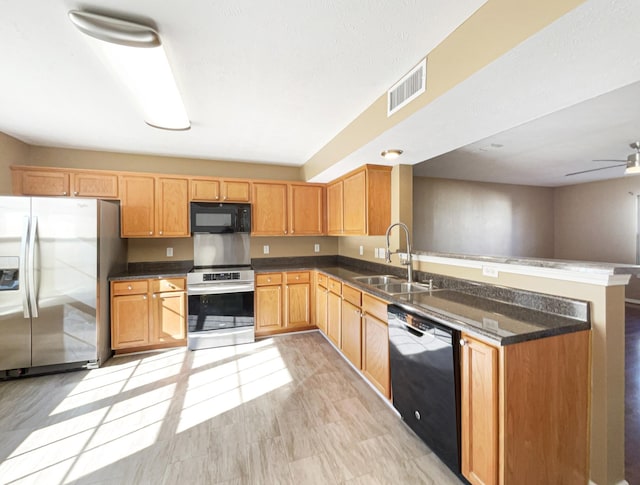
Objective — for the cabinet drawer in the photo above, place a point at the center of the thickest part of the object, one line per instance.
(268, 279)
(131, 287)
(374, 306)
(335, 286)
(297, 277)
(322, 280)
(351, 295)
(167, 284)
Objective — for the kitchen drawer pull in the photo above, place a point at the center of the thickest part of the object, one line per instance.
(64, 193)
(463, 342)
(129, 287)
(75, 192)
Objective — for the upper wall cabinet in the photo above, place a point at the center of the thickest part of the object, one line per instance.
(153, 206)
(220, 190)
(287, 209)
(359, 203)
(64, 182)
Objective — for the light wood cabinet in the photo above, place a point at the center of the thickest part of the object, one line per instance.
(321, 302)
(298, 299)
(359, 203)
(287, 209)
(154, 206)
(148, 313)
(479, 411)
(351, 326)
(283, 302)
(64, 182)
(269, 210)
(334, 311)
(521, 405)
(375, 344)
(220, 190)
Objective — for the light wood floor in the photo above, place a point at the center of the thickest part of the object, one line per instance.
(286, 410)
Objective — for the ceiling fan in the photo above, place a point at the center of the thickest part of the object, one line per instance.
(632, 162)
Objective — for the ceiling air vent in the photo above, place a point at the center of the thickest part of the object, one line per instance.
(412, 85)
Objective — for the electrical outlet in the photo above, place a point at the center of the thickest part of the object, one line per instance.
(490, 271)
(169, 252)
(382, 252)
(265, 249)
(316, 248)
(376, 253)
(362, 252)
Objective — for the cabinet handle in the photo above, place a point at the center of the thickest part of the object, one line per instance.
(64, 193)
(224, 198)
(75, 192)
(129, 287)
(150, 233)
(153, 296)
(285, 231)
(291, 231)
(144, 297)
(298, 277)
(160, 233)
(463, 342)
(217, 197)
(268, 280)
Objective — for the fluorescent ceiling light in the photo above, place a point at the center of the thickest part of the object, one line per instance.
(135, 52)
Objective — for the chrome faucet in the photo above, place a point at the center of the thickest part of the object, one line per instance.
(408, 262)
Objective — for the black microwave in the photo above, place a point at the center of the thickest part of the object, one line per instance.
(219, 218)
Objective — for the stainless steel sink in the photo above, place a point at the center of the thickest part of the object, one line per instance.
(378, 280)
(403, 288)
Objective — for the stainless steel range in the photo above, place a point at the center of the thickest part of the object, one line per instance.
(220, 292)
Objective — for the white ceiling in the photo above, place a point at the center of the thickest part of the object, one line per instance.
(264, 81)
(273, 81)
(566, 96)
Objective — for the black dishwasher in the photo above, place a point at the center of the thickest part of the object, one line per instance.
(425, 381)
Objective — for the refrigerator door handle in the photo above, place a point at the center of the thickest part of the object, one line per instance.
(22, 270)
(33, 298)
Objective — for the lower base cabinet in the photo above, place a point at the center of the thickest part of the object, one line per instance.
(524, 411)
(282, 302)
(149, 313)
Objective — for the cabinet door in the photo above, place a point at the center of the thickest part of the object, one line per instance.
(45, 183)
(172, 205)
(306, 215)
(137, 206)
(333, 317)
(169, 317)
(129, 321)
(321, 308)
(298, 305)
(355, 203)
(479, 411)
(269, 209)
(375, 353)
(236, 190)
(205, 190)
(334, 208)
(351, 331)
(101, 186)
(268, 308)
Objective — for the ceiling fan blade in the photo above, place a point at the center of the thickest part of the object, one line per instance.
(593, 170)
(609, 161)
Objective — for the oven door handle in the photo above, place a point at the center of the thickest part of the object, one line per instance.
(218, 289)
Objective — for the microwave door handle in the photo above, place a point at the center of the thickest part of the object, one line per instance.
(23, 268)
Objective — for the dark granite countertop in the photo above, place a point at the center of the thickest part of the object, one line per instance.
(160, 269)
(494, 314)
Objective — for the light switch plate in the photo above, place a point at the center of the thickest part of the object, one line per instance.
(376, 253)
(362, 252)
(169, 252)
(265, 249)
(316, 248)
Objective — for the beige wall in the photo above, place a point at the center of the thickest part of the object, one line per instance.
(454, 216)
(156, 249)
(12, 152)
(597, 221)
(69, 158)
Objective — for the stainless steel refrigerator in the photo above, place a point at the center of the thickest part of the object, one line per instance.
(55, 257)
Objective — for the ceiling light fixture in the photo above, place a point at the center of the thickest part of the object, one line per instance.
(135, 52)
(633, 160)
(391, 154)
